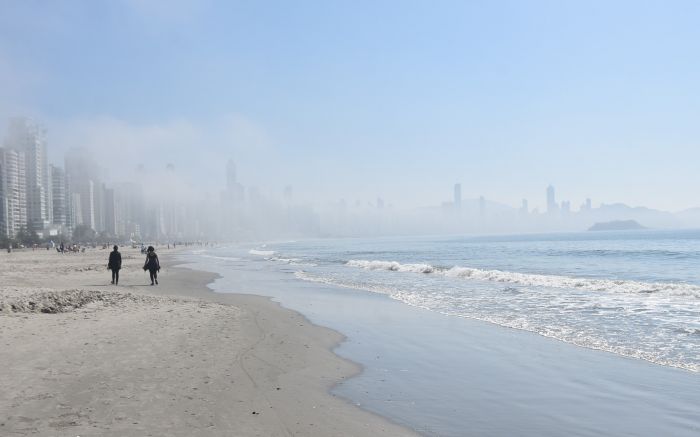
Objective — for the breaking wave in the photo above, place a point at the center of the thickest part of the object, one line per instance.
(261, 252)
(535, 280)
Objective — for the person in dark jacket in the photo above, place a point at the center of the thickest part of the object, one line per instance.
(115, 264)
(152, 264)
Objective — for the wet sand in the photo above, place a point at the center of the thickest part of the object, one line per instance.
(83, 357)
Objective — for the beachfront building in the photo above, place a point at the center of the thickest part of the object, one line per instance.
(82, 171)
(13, 192)
(60, 197)
(29, 137)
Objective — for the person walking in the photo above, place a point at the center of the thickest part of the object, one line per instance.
(115, 264)
(152, 264)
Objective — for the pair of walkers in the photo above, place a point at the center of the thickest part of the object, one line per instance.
(152, 264)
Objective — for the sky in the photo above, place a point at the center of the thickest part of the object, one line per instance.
(367, 99)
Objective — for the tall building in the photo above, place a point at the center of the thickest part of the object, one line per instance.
(458, 196)
(551, 201)
(29, 137)
(3, 205)
(524, 208)
(81, 171)
(60, 197)
(110, 212)
(129, 210)
(13, 192)
(565, 207)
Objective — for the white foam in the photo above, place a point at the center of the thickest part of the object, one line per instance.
(545, 323)
(392, 265)
(535, 280)
(261, 252)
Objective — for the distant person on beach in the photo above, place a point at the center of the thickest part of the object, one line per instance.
(152, 264)
(115, 264)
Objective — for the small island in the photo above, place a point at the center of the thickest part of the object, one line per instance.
(617, 225)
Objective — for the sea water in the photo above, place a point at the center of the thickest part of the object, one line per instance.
(437, 367)
(636, 294)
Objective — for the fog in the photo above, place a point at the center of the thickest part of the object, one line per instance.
(355, 120)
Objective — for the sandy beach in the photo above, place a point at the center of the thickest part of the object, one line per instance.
(83, 357)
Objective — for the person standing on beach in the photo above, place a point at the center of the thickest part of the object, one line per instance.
(115, 264)
(152, 264)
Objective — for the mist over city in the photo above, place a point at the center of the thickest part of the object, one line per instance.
(107, 197)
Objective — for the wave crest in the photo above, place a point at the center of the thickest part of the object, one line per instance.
(261, 252)
(533, 280)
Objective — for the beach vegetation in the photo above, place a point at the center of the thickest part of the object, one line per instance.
(84, 234)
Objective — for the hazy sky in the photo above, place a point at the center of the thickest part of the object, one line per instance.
(360, 99)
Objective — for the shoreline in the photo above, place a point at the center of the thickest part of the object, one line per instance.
(442, 375)
(268, 300)
(140, 360)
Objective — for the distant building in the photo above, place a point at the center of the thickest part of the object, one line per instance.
(552, 206)
(524, 209)
(458, 196)
(59, 196)
(29, 137)
(110, 212)
(13, 192)
(482, 206)
(380, 203)
(129, 208)
(565, 207)
(82, 171)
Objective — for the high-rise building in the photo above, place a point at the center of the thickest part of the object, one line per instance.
(565, 207)
(110, 212)
(3, 202)
(76, 210)
(129, 210)
(81, 171)
(552, 206)
(13, 190)
(524, 208)
(29, 137)
(458, 196)
(60, 197)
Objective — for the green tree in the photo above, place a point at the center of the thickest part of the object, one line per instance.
(4, 241)
(83, 234)
(27, 236)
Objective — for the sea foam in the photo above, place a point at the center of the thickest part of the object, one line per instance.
(534, 280)
(261, 252)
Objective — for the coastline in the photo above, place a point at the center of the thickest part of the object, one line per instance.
(441, 375)
(176, 359)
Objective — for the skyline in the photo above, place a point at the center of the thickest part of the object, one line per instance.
(398, 101)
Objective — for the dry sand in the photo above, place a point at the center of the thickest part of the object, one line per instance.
(80, 357)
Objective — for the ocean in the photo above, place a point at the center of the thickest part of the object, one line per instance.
(634, 295)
